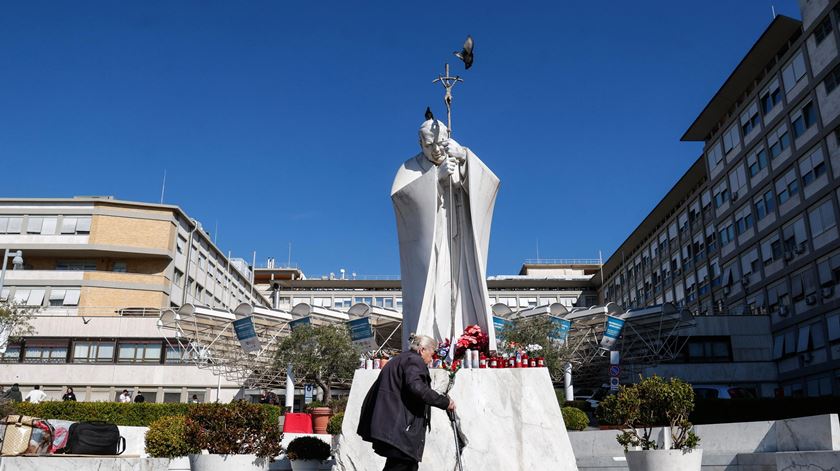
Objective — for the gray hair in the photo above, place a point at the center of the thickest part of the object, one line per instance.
(416, 342)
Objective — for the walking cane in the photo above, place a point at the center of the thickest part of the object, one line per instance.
(454, 422)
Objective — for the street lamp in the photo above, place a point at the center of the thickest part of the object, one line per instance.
(17, 264)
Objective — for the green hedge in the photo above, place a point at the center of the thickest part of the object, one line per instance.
(715, 411)
(574, 418)
(136, 414)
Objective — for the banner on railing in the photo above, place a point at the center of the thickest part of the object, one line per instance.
(299, 322)
(499, 325)
(561, 329)
(611, 332)
(246, 334)
(361, 333)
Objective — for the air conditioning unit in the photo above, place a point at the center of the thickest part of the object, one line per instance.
(827, 291)
(811, 299)
(784, 311)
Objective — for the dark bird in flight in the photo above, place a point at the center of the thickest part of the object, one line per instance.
(466, 53)
(429, 115)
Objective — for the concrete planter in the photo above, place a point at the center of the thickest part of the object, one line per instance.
(664, 460)
(306, 465)
(227, 463)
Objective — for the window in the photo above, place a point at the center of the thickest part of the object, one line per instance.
(828, 270)
(731, 139)
(48, 351)
(803, 119)
(794, 71)
(743, 219)
(29, 297)
(821, 218)
(12, 354)
(757, 161)
(771, 249)
(180, 244)
(10, 224)
(750, 119)
(119, 267)
(75, 265)
(737, 182)
(778, 140)
(341, 303)
(794, 237)
(832, 80)
(721, 194)
(765, 204)
(64, 297)
(45, 225)
(714, 154)
(787, 186)
(823, 30)
(178, 277)
(727, 234)
(93, 351)
(176, 354)
(33, 225)
(139, 352)
(706, 350)
(75, 225)
(711, 238)
(812, 166)
(771, 97)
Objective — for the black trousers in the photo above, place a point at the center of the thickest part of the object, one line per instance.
(394, 464)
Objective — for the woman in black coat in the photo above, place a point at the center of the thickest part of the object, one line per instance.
(396, 410)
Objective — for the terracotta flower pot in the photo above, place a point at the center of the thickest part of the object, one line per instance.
(320, 419)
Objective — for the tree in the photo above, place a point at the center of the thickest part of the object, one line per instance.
(538, 330)
(322, 354)
(15, 322)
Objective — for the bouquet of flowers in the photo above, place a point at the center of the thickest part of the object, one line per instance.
(472, 339)
(533, 349)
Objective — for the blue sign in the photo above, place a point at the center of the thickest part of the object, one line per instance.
(246, 334)
(299, 322)
(561, 329)
(499, 325)
(361, 333)
(611, 331)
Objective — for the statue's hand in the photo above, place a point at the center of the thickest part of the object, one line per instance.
(453, 149)
(447, 168)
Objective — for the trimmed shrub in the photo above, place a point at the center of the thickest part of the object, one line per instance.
(334, 427)
(167, 438)
(233, 429)
(134, 414)
(574, 418)
(308, 448)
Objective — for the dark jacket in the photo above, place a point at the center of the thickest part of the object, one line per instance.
(14, 394)
(396, 410)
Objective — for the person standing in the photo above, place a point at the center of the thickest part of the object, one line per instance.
(397, 409)
(194, 399)
(139, 397)
(36, 396)
(14, 394)
(69, 395)
(125, 397)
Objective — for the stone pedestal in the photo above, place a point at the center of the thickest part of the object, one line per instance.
(510, 417)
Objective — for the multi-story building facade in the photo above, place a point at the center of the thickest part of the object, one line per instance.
(751, 228)
(97, 272)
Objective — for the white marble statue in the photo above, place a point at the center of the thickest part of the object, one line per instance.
(432, 236)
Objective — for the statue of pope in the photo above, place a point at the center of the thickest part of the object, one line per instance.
(443, 199)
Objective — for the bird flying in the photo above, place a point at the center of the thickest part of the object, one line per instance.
(466, 53)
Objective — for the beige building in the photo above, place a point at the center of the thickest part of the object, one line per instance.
(99, 271)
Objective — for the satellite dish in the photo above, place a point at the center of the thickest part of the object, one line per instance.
(502, 310)
(558, 309)
(243, 310)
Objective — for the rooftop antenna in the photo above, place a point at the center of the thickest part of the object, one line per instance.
(216, 232)
(773, 10)
(163, 187)
(289, 263)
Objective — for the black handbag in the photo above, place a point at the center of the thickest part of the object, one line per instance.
(94, 438)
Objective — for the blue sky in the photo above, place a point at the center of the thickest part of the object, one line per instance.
(286, 121)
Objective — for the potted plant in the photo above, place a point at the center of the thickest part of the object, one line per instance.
(641, 407)
(238, 436)
(321, 414)
(307, 453)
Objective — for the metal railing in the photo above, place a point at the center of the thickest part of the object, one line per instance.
(563, 261)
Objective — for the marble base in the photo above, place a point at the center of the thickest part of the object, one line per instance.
(510, 417)
(65, 463)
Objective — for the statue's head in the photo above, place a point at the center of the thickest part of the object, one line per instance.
(433, 136)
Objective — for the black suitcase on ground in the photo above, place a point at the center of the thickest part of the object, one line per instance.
(94, 438)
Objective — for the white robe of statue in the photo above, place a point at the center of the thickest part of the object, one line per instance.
(421, 194)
